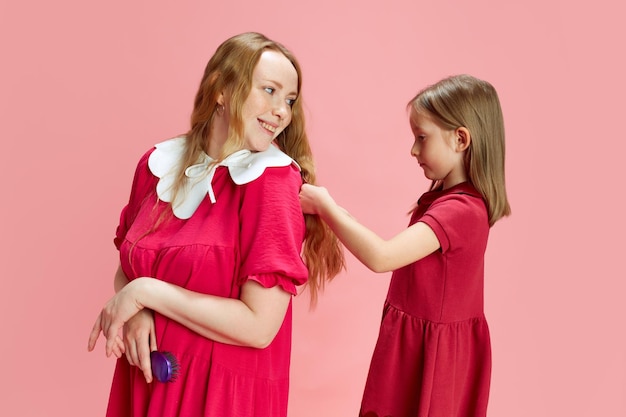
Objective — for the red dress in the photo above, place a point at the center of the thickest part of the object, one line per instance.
(252, 231)
(433, 355)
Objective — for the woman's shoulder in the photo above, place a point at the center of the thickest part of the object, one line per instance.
(265, 165)
(164, 156)
(271, 173)
(142, 170)
(167, 147)
(276, 184)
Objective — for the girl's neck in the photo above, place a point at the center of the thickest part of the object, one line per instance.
(454, 179)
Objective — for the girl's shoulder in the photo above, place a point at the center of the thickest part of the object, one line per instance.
(462, 189)
(462, 201)
(457, 216)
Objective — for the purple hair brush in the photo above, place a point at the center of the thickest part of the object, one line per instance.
(164, 366)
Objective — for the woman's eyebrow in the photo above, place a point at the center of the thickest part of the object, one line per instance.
(279, 85)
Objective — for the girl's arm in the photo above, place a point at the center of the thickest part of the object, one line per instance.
(379, 255)
(252, 320)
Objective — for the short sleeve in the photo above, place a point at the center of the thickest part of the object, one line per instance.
(273, 229)
(143, 186)
(455, 218)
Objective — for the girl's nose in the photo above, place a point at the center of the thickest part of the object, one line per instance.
(414, 150)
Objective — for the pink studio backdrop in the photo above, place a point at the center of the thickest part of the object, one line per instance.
(87, 87)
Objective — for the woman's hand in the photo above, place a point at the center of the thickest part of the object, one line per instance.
(116, 312)
(140, 340)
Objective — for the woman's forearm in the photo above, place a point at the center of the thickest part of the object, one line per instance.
(251, 321)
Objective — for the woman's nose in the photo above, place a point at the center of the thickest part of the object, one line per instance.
(280, 110)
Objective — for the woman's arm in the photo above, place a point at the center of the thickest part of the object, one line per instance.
(120, 280)
(139, 334)
(253, 320)
(379, 255)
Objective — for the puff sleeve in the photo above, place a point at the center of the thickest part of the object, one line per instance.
(272, 230)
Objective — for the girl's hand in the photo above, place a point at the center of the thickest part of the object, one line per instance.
(313, 198)
(116, 312)
(140, 340)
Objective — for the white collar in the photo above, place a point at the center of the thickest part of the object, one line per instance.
(244, 166)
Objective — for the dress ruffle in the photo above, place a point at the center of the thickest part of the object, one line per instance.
(272, 280)
(437, 369)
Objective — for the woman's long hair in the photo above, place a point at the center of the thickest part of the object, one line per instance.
(466, 101)
(230, 69)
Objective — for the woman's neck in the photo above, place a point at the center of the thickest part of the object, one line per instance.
(216, 138)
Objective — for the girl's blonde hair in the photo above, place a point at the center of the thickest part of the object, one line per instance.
(466, 101)
(230, 69)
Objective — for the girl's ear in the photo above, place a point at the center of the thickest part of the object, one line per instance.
(463, 139)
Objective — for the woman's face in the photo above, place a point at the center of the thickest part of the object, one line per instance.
(267, 110)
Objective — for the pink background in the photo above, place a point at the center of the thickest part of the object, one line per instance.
(87, 87)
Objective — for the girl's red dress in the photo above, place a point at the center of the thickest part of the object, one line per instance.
(253, 231)
(433, 355)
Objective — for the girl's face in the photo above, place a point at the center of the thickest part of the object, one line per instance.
(267, 110)
(438, 151)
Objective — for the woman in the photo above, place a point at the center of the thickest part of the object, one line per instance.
(211, 247)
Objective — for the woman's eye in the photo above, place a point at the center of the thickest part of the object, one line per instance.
(270, 90)
(291, 101)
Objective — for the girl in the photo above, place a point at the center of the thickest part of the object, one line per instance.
(210, 248)
(433, 355)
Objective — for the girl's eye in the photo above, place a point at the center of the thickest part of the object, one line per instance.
(270, 90)
(291, 101)
(421, 138)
